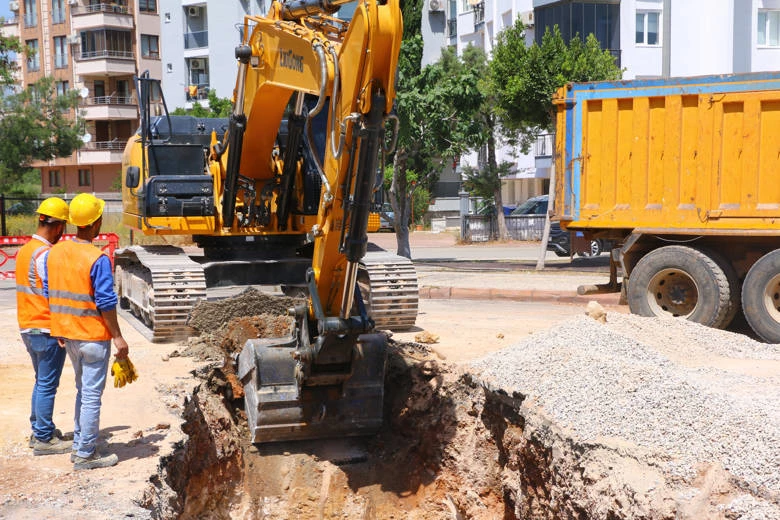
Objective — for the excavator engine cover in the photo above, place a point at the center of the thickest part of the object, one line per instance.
(280, 407)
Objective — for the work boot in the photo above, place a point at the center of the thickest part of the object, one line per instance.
(51, 447)
(94, 461)
(57, 433)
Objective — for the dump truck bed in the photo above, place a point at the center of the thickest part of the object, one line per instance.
(697, 154)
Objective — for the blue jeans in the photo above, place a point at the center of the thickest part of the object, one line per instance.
(48, 359)
(90, 362)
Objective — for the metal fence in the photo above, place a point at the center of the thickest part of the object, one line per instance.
(28, 205)
(484, 228)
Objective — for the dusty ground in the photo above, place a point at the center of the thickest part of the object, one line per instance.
(142, 421)
(450, 449)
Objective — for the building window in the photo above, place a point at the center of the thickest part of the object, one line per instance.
(769, 28)
(30, 13)
(199, 71)
(54, 178)
(647, 28)
(147, 6)
(60, 52)
(33, 56)
(150, 46)
(57, 11)
(62, 87)
(106, 43)
(85, 178)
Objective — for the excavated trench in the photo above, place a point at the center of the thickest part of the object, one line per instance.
(450, 449)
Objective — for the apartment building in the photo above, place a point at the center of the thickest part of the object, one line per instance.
(649, 39)
(95, 48)
(198, 41)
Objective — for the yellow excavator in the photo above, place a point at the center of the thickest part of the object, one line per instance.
(280, 193)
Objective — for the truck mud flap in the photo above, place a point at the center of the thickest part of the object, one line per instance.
(280, 408)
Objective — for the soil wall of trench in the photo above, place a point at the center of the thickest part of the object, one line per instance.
(452, 447)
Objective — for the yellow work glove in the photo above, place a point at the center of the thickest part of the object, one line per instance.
(123, 372)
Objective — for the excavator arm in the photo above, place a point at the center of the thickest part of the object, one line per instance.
(299, 64)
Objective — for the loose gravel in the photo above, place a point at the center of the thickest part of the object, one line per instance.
(634, 379)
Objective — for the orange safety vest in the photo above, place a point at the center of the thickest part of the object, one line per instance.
(32, 309)
(74, 314)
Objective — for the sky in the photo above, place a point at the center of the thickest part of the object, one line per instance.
(5, 11)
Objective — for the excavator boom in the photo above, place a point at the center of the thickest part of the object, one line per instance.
(282, 191)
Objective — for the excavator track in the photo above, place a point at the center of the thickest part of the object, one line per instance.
(393, 294)
(159, 285)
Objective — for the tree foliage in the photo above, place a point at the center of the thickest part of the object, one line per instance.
(436, 106)
(35, 124)
(218, 107)
(525, 79)
(9, 46)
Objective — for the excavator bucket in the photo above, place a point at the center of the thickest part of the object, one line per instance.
(281, 406)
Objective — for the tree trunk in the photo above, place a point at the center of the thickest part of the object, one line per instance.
(401, 203)
(503, 234)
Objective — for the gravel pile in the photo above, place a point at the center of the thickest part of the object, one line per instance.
(633, 379)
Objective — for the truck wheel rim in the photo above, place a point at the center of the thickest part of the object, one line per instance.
(772, 297)
(672, 292)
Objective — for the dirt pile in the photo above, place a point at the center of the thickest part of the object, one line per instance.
(454, 447)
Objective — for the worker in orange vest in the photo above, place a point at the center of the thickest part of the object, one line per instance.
(83, 313)
(32, 312)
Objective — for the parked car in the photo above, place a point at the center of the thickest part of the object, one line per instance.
(386, 217)
(559, 242)
(532, 206)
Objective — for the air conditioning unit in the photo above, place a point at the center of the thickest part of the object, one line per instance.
(196, 64)
(193, 12)
(73, 2)
(74, 39)
(13, 5)
(436, 5)
(527, 18)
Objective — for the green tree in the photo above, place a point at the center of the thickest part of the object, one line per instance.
(436, 107)
(218, 107)
(524, 79)
(35, 124)
(9, 47)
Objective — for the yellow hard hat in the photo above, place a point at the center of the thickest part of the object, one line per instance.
(85, 209)
(54, 207)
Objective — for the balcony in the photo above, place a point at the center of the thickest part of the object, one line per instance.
(105, 63)
(479, 16)
(196, 40)
(101, 15)
(110, 107)
(102, 152)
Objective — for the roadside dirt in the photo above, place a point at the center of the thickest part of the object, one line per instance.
(142, 422)
(450, 449)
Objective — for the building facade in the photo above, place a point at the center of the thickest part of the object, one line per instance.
(199, 38)
(95, 48)
(649, 39)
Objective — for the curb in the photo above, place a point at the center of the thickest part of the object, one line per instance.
(520, 295)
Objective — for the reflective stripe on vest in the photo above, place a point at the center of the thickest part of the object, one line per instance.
(74, 314)
(32, 309)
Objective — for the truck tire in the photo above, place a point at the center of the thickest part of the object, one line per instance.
(761, 297)
(680, 281)
(735, 289)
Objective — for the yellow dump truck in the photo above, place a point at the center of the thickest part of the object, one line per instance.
(683, 175)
